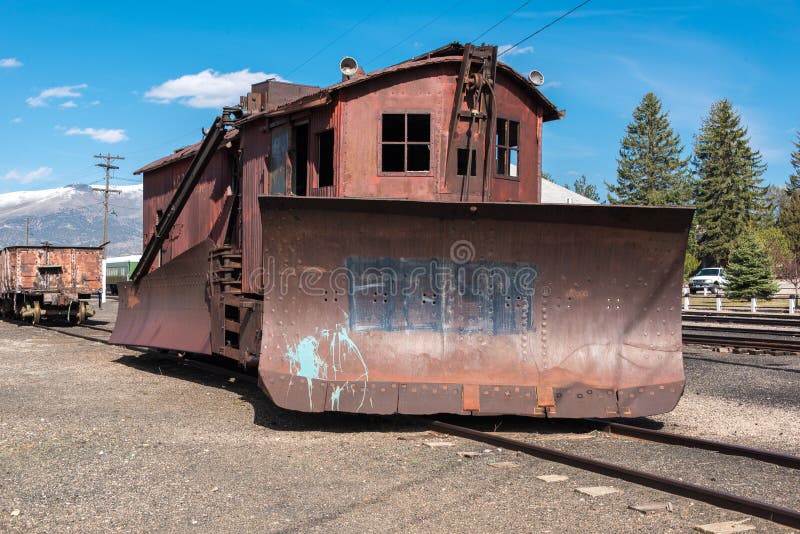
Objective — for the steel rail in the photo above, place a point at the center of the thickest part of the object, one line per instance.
(741, 331)
(777, 514)
(777, 458)
(718, 339)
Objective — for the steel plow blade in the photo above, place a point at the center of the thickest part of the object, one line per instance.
(382, 306)
(169, 308)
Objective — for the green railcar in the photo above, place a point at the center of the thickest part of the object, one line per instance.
(119, 270)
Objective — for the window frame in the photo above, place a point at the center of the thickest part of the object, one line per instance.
(406, 112)
(506, 175)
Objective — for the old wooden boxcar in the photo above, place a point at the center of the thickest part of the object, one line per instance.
(49, 281)
(424, 275)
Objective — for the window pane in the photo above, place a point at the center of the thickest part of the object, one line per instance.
(513, 156)
(501, 161)
(392, 158)
(394, 127)
(513, 133)
(462, 162)
(419, 157)
(501, 131)
(419, 128)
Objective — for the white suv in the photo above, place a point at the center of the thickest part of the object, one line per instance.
(711, 278)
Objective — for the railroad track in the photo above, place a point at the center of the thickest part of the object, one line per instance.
(778, 514)
(743, 338)
(757, 319)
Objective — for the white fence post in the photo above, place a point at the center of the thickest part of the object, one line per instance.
(103, 279)
(705, 291)
(685, 303)
(719, 303)
(753, 305)
(791, 304)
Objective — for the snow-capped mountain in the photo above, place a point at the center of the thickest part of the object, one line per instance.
(73, 215)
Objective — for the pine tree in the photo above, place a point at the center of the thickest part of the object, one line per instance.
(650, 169)
(748, 272)
(728, 192)
(789, 221)
(690, 266)
(582, 187)
(794, 178)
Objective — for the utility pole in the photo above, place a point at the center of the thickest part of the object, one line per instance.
(107, 166)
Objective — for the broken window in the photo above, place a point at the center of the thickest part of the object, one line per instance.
(507, 148)
(463, 156)
(406, 142)
(325, 144)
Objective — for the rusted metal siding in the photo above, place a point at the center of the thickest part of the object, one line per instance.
(323, 119)
(67, 270)
(255, 150)
(514, 104)
(205, 214)
(428, 89)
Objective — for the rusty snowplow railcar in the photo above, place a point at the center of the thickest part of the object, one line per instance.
(379, 246)
(49, 281)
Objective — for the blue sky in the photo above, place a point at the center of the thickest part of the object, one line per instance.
(142, 78)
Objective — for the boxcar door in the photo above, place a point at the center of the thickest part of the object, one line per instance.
(277, 160)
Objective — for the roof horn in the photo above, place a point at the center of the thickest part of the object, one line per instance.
(348, 66)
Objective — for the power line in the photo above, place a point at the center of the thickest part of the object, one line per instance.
(543, 28)
(334, 41)
(499, 22)
(415, 32)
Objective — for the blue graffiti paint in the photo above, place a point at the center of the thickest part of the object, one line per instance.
(335, 394)
(478, 297)
(304, 361)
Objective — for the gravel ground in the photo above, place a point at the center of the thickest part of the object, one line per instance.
(96, 438)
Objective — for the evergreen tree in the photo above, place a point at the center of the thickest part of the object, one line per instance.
(789, 221)
(582, 187)
(650, 169)
(748, 272)
(690, 266)
(794, 178)
(728, 193)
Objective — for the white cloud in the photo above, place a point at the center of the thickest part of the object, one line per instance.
(104, 135)
(207, 89)
(10, 62)
(65, 91)
(94, 102)
(16, 120)
(15, 176)
(68, 104)
(508, 51)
